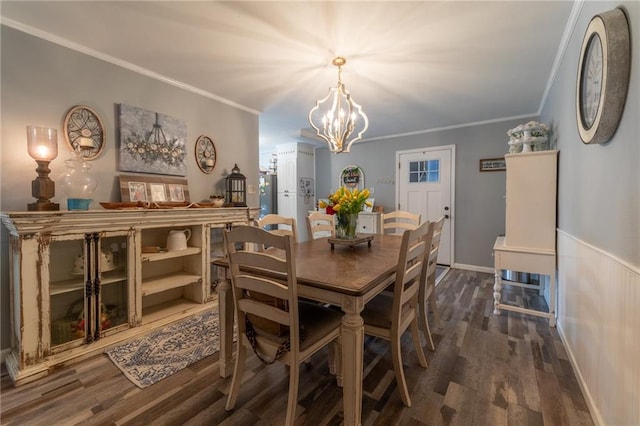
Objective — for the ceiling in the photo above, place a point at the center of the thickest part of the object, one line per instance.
(413, 66)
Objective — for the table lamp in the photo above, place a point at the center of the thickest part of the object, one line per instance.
(42, 145)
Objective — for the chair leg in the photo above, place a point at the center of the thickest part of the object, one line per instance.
(396, 357)
(332, 359)
(432, 304)
(292, 402)
(238, 371)
(335, 349)
(415, 333)
(427, 331)
(421, 313)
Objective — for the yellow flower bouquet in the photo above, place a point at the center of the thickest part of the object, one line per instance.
(346, 204)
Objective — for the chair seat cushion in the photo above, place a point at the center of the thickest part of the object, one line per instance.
(318, 321)
(377, 311)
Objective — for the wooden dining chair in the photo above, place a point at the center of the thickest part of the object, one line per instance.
(271, 321)
(389, 315)
(285, 225)
(427, 293)
(399, 221)
(321, 225)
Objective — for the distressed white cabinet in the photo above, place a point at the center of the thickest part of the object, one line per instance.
(369, 223)
(529, 243)
(81, 281)
(296, 169)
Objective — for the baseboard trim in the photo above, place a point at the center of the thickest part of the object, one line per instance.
(475, 268)
(3, 354)
(593, 408)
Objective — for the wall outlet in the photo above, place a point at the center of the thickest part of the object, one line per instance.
(251, 189)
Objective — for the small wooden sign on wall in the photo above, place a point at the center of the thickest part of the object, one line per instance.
(493, 165)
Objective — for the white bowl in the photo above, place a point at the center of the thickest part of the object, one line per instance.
(106, 263)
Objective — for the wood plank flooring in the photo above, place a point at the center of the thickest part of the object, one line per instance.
(486, 370)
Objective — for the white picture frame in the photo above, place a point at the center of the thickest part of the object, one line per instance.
(158, 193)
(137, 191)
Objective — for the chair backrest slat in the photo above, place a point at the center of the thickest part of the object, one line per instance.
(321, 223)
(286, 225)
(264, 282)
(261, 259)
(410, 268)
(273, 313)
(398, 221)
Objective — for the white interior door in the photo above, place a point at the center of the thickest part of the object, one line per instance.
(425, 186)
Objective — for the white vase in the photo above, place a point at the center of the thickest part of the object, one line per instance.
(526, 141)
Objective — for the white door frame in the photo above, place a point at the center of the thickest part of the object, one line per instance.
(452, 178)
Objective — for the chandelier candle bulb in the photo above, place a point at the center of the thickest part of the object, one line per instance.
(86, 142)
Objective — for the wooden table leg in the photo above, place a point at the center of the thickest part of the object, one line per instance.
(352, 359)
(226, 310)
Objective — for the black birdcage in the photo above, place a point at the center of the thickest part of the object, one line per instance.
(236, 184)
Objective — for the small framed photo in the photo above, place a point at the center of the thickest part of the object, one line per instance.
(176, 192)
(493, 165)
(157, 192)
(157, 189)
(137, 191)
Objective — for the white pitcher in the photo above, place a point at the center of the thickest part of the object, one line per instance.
(177, 239)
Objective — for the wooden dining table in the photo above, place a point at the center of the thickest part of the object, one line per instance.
(344, 276)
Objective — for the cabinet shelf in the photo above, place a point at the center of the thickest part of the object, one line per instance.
(153, 257)
(167, 282)
(74, 284)
(177, 307)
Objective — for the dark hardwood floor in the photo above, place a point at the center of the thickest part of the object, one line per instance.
(486, 370)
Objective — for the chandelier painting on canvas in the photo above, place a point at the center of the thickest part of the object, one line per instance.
(151, 142)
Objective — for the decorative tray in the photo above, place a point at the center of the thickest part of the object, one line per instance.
(135, 205)
(359, 239)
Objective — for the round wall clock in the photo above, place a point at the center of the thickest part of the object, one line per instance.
(205, 154)
(603, 76)
(83, 130)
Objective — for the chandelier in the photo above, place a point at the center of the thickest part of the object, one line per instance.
(337, 118)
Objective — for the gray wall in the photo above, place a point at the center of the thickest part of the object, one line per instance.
(40, 81)
(479, 198)
(598, 185)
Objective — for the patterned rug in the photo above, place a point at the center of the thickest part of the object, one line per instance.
(163, 352)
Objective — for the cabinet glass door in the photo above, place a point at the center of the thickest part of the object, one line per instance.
(87, 286)
(114, 303)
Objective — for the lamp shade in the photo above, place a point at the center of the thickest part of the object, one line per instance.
(42, 143)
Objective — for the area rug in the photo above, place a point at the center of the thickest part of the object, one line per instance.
(164, 352)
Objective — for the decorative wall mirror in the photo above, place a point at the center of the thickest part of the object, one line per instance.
(205, 152)
(83, 129)
(352, 177)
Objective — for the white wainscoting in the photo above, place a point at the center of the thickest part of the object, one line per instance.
(599, 322)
